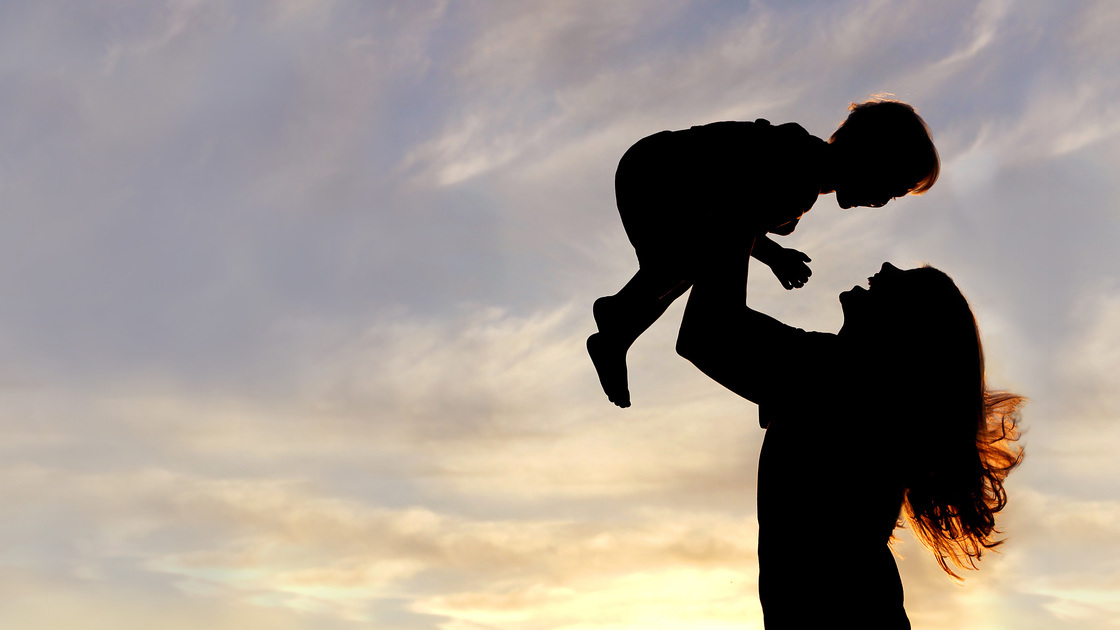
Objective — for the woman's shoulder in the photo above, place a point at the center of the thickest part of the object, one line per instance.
(799, 363)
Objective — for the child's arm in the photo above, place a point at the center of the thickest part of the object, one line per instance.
(788, 264)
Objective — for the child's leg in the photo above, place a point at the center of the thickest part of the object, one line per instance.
(621, 318)
(628, 313)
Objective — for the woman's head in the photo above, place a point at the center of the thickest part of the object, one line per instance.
(920, 339)
(909, 306)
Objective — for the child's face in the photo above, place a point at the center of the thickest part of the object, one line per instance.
(870, 180)
(864, 188)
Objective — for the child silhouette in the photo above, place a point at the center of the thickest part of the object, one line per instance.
(749, 178)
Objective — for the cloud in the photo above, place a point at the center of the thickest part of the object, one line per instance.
(511, 80)
(1078, 435)
(1093, 352)
(1060, 556)
(985, 24)
(325, 501)
(275, 543)
(681, 598)
(438, 406)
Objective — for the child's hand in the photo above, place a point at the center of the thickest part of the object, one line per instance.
(790, 268)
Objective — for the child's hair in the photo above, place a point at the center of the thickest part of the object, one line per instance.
(961, 434)
(885, 126)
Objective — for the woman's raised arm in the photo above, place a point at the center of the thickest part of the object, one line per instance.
(741, 349)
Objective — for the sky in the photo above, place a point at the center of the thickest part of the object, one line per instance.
(294, 298)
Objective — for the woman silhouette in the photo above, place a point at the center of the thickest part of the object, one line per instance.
(889, 414)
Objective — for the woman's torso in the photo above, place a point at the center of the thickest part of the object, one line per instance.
(829, 496)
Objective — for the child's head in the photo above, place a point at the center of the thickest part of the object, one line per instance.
(888, 153)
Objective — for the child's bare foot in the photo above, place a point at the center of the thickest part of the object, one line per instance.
(609, 357)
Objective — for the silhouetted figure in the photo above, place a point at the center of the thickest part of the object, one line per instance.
(890, 414)
(675, 187)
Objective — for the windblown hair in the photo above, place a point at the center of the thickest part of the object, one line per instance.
(963, 435)
(888, 127)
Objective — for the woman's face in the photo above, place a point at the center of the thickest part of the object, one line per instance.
(866, 306)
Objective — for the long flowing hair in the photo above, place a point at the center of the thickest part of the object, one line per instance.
(963, 435)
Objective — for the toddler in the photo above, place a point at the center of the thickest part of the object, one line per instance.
(753, 178)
